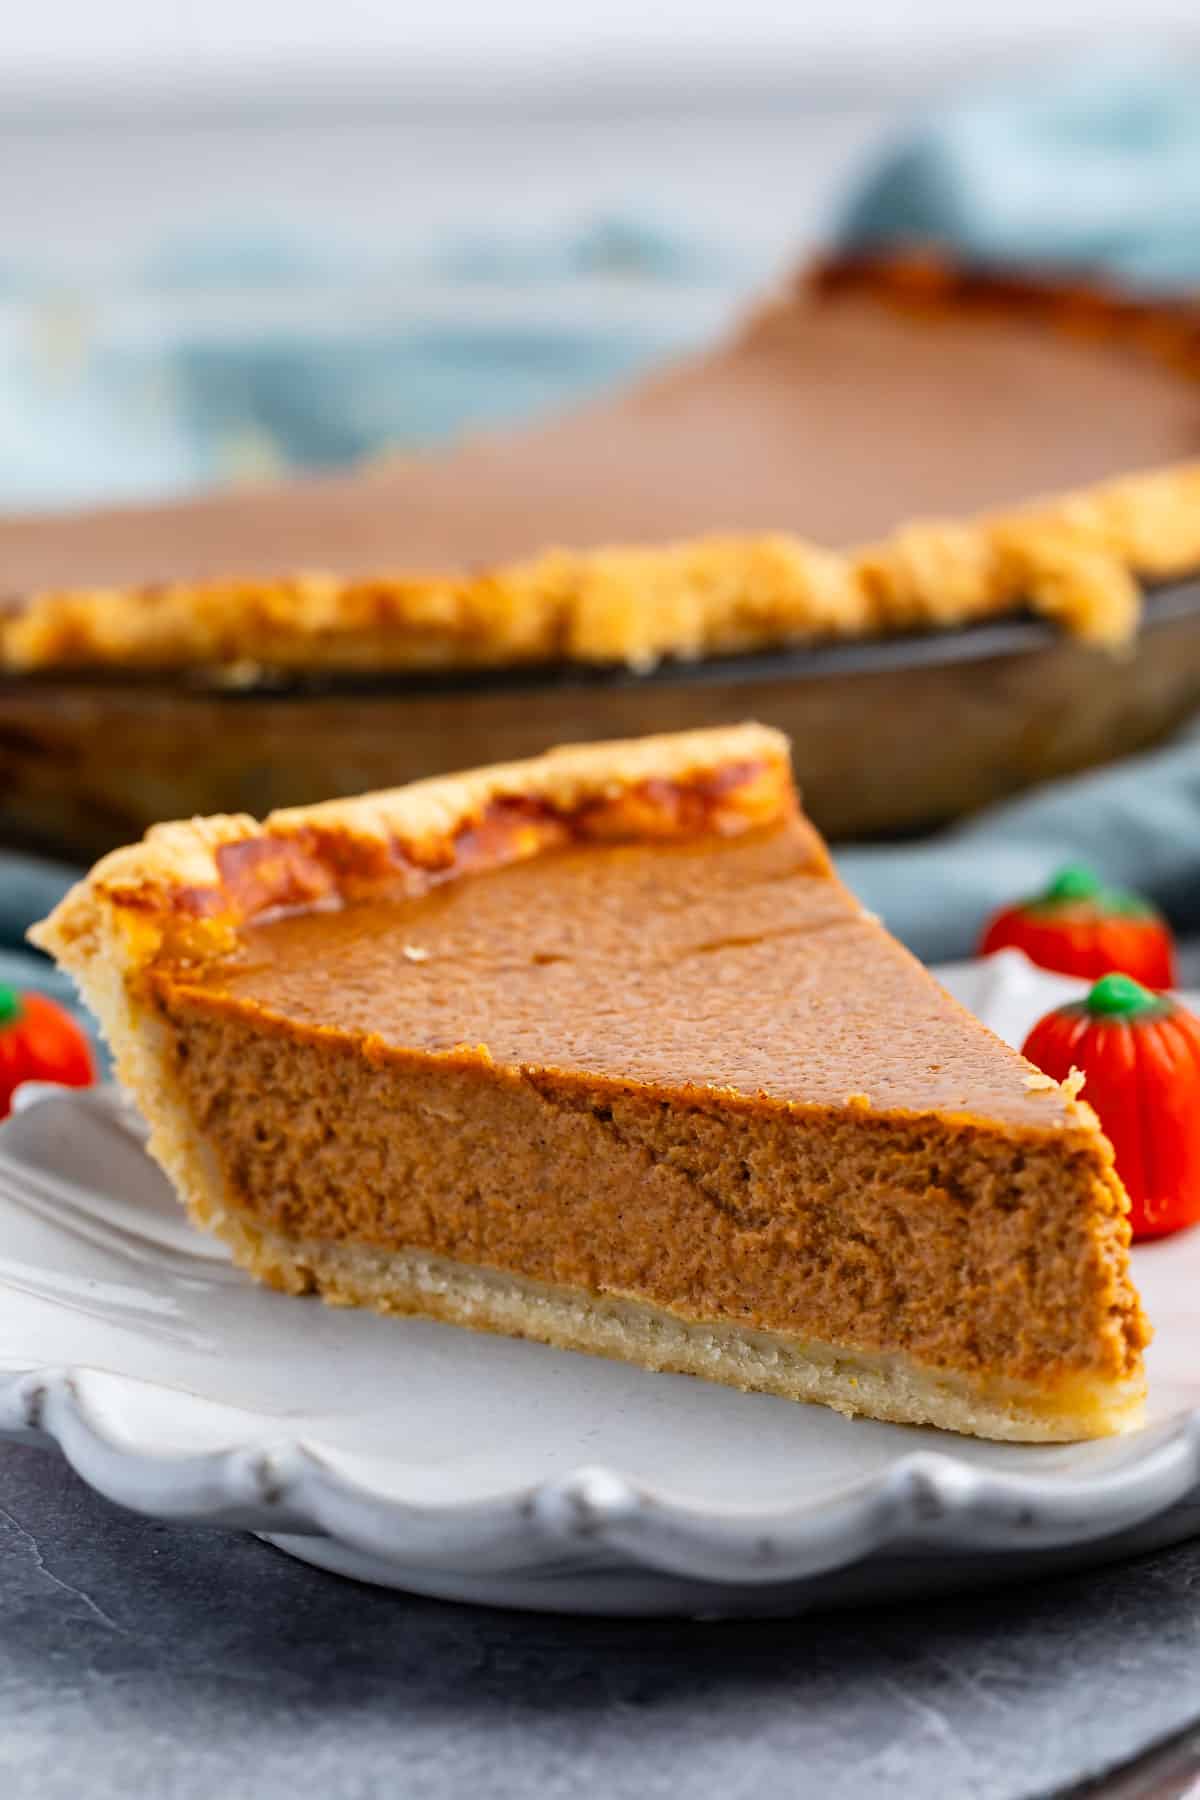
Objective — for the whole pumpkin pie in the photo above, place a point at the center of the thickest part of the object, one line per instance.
(596, 1049)
(882, 446)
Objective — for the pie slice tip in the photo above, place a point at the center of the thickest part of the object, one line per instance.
(597, 1050)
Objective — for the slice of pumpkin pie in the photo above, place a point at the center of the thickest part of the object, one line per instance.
(596, 1049)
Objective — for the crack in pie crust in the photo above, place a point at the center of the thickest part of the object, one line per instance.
(596, 1049)
(871, 452)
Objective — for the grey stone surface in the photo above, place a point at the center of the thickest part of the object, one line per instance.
(142, 1659)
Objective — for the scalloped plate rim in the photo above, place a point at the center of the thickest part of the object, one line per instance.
(284, 1486)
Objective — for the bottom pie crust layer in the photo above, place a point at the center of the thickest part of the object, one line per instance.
(888, 1386)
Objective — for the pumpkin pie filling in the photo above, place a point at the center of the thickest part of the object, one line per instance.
(645, 1080)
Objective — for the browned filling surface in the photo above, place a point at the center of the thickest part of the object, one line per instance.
(692, 1074)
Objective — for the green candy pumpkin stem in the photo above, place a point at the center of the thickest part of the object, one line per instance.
(1075, 882)
(10, 1004)
(1077, 885)
(1121, 997)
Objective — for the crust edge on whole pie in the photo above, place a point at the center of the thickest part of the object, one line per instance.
(1079, 558)
(185, 894)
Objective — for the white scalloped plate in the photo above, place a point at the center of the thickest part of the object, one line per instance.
(476, 1468)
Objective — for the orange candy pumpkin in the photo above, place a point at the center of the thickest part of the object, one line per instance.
(39, 1041)
(1139, 1054)
(1077, 926)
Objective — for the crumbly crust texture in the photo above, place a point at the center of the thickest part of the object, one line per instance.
(1079, 559)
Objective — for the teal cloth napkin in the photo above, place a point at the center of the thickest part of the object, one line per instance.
(28, 889)
(1089, 164)
(228, 356)
(1137, 824)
